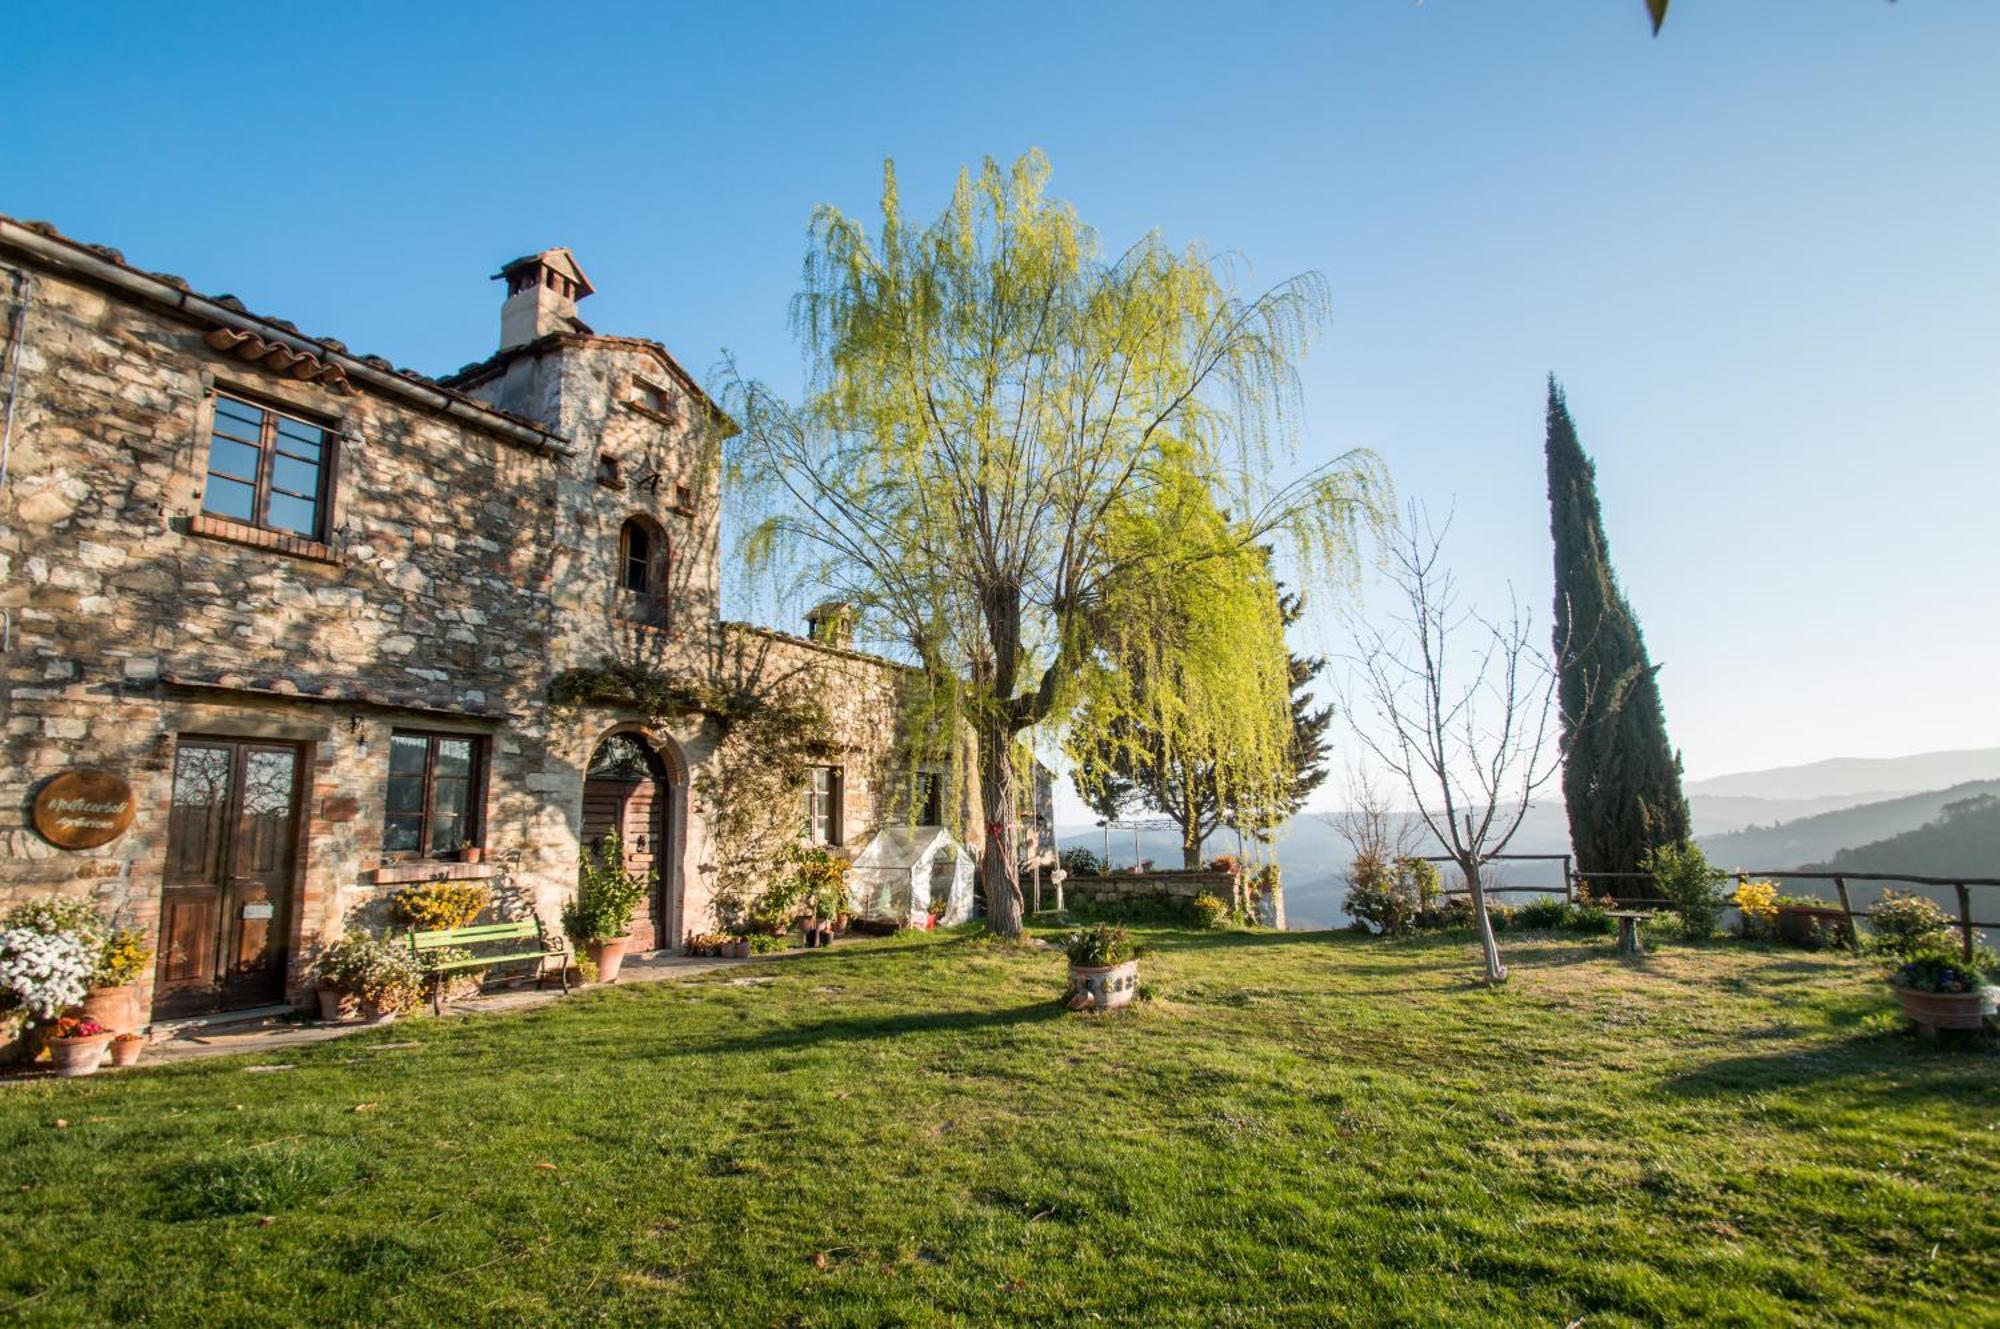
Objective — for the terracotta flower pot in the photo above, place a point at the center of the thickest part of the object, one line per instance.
(741, 948)
(125, 1051)
(373, 1012)
(1103, 987)
(114, 1008)
(1932, 1011)
(78, 1056)
(336, 1007)
(609, 957)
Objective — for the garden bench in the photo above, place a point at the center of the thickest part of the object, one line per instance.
(1628, 928)
(424, 945)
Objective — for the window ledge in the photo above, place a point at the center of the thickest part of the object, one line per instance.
(657, 416)
(399, 874)
(256, 537)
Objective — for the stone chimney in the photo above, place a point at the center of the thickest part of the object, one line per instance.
(832, 624)
(542, 291)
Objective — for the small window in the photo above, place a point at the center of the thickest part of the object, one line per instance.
(642, 572)
(266, 469)
(436, 792)
(928, 802)
(635, 567)
(655, 399)
(823, 805)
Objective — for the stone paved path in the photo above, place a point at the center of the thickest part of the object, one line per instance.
(277, 1032)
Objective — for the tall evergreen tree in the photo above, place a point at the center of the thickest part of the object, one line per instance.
(1621, 776)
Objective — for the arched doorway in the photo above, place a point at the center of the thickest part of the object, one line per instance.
(629, 788)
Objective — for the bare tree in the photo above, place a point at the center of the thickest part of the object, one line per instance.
(1457, 708)
(1370, 822)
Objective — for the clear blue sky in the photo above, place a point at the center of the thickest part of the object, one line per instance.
(1761, 251)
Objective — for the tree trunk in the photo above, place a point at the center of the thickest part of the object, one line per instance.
(997, 871)
(1495, 971)
(1190, 854)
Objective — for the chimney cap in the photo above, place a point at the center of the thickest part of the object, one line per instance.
(558, 259)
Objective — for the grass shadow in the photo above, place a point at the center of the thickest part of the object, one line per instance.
(1879, 1068)
(872, 1028)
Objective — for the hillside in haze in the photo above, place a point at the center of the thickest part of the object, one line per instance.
(1862, 777)
(1962, 840)
(1794, 844)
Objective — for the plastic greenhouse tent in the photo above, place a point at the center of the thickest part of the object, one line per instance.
(912, 876)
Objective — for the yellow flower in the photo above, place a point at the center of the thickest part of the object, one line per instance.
(1758, 900)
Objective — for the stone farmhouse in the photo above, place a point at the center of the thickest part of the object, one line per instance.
(297, 613)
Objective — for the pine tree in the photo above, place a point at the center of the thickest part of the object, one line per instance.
(1621, 775)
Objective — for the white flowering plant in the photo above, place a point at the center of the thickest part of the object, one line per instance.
(44, 972)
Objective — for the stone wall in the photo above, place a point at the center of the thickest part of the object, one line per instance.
(466, 563)
(1119, 888)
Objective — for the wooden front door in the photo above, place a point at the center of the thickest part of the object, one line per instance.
(627, 790)
(226, 899)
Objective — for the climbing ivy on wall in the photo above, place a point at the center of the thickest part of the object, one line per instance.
(767, 741)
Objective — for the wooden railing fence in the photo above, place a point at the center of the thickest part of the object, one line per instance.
(1967, 925)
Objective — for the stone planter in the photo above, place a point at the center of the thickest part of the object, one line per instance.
(1932, 1011)
(1806, 925)
(125, 1051)
(1103, 987)
(78, 1056)
(608, 956)
(337, 1007)
(117, 1009)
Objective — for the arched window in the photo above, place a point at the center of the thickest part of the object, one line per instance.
(642, 571)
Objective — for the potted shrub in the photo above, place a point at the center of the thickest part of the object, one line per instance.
(1103, 968)
(816, 879)
(1938, 990)
(391, 982)
(42, 975)
(113, 996)
(338, 973)
(125, 1049)
(1208, 910)
(76, 1045)
(599, 918)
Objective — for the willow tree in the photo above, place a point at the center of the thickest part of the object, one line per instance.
(1188, 709)
(1201, 712)
(997, 418)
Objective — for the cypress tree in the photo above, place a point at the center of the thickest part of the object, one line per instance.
(1621, 776)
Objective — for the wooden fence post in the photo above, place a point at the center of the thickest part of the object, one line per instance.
(1847, 907)
(1964, 917)
(1569, 883)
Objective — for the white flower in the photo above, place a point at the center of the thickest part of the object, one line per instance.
(47, 972)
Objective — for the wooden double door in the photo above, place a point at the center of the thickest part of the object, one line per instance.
(226, 903)
(627, 789)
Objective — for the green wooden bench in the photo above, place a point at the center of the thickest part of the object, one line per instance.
(425, 945)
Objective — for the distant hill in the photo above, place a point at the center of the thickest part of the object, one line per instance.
(1794, 844)
(1718, 814)
(1861, 776)
(1964, 838)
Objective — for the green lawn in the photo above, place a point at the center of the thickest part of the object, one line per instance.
(1294, 1129)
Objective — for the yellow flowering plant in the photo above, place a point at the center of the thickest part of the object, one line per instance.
(436, 906)
(123, 960)
(1758, 900)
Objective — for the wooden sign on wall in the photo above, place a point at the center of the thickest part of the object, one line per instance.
(83, 808)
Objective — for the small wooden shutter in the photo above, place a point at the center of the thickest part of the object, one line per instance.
(837, 795)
